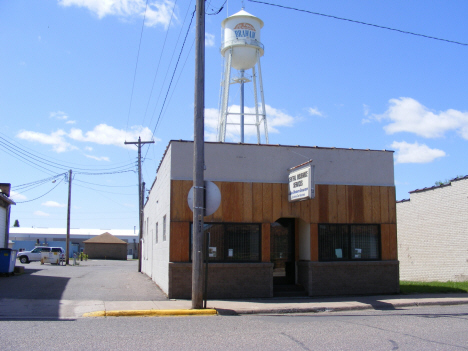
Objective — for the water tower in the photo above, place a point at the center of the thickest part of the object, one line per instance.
(242, 49)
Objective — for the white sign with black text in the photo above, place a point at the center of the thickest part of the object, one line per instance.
(301, 183)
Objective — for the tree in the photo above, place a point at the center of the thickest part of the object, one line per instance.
(16, 223)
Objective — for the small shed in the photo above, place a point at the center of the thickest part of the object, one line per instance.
(106, 246)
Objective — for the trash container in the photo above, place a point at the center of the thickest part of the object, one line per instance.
(7, 261)
(50, 257)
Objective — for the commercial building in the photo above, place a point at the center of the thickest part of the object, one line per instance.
(106, 246)
(341, 241)
(27, 238)
(5, 203)
(433, 233)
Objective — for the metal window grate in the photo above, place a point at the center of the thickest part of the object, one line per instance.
(231, 242)
(344, 242)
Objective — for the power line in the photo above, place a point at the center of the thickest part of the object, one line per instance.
(104, 173)
(29, 156)
(68, 165)
(22, 202)
(102, 191)
(167, 72)
(136, 65)
(173, 73)
(216, 12)
(37, 181)
(105, 185)
(360, 22)
(159, 62)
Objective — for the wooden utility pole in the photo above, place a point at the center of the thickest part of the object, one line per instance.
(67, 249)
(198, 160)
(140, 195)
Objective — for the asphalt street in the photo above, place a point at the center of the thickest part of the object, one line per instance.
(417, 328)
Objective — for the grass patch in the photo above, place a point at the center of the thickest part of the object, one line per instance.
(408, 287)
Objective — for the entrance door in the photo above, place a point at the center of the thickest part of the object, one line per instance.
(282, 251)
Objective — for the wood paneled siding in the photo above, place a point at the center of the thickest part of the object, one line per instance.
(267, 202)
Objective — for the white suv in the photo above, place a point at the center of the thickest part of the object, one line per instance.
(35, 254)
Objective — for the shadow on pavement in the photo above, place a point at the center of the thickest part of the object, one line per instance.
(20, 295)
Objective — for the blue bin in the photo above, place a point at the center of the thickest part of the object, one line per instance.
(7, 261)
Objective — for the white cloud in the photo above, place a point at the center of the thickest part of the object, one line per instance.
(101, 134)
(209, 40)
(408, 115)
(275, 119)
(41, 214)
(158, 12)
(313, 111)
(101, 158)
(70, 122)
(415, 153)
(52, 204)
(56, 139)
(108, 135)
(17, 196)
(60, 115)
(88, 148)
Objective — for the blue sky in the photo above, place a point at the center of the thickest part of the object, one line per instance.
(71, 92)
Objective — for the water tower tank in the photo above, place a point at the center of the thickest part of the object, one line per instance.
(242, 34)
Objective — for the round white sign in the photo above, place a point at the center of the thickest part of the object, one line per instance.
(212, 198)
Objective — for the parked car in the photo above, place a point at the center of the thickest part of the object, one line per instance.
(35, 254)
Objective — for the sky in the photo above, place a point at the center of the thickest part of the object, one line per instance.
(80, 77)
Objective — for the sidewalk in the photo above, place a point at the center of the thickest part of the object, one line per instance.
(72, 309)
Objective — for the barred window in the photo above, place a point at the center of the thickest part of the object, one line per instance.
(346, 242)
(231, 242)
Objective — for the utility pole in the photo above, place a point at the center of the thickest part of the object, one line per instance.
(67, 249)
(198, 160)
(140, 195)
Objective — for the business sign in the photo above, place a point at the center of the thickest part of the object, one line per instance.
(244, 30)
(301, 183)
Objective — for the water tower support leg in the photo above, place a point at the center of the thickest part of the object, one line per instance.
(224, 109)
(263, 98)
(257, 121)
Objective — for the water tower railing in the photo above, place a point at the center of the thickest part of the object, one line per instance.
(245, 42)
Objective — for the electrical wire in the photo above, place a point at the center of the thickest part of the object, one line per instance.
(173, 73)
(167, 72)
(17, 150)
(109, 186)
(104, 173)
(102, 191)
(136, 66)
(216, 12)
(158, 65)
(22, 202)
(359, 22)
(37, 181)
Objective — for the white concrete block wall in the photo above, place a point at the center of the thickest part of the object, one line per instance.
(433, 234)
(158, 205)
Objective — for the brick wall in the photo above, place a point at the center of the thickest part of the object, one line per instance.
(349, 278)
(225, 280)
(433, 233)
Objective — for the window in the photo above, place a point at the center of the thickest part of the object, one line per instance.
(349, 242)
(164, 228)
(231, 242)
(156, 236)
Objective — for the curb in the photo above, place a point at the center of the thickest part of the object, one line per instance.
(151, 313)
(386, 306)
